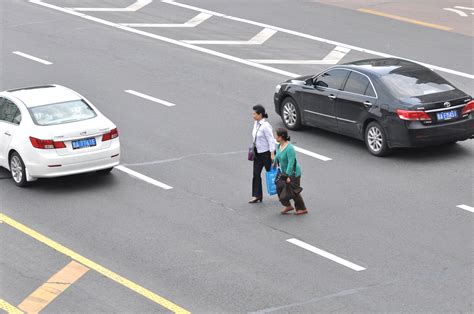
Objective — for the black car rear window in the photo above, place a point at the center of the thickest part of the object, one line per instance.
(415, 83)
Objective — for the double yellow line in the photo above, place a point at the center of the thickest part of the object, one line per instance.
(89, 264)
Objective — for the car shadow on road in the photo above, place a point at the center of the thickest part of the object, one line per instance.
(430, 153)
(76, 183)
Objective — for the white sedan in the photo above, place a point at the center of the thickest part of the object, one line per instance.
(51, 131)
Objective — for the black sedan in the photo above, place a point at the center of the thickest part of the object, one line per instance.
(385, 102)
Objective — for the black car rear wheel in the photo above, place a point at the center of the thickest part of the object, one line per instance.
(375, 140)
(290, 114)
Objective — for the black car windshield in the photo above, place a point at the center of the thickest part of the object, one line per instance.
(415, 83)
(65, 112)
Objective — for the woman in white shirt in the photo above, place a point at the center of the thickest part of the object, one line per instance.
(264, 150)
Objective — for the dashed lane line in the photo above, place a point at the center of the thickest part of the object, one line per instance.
(325, 254)
(144, 96)
(53, 287)
(465, 207)
(311, 154)
(27, 56)
(94, 266)
(144, 177)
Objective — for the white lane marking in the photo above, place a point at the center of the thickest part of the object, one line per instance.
(465, 207)
(319, 39)
(195, 21)
(325, 254)
(166, 39)
(333, 57)
(25, 55)
(258, 39)
(139, 4)
(144, 178)
(464, 8)
(160, 101)
(311, 154)
(461, 13)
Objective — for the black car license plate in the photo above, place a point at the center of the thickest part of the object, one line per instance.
(84, 143)
(447, 115)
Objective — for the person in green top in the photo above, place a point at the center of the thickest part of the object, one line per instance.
(291, 172)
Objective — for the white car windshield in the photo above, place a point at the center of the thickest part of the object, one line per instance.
(64, 112)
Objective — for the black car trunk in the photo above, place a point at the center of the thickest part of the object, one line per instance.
(442, 108)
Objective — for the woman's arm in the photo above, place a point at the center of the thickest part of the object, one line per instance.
(291, 155)
(268, 132)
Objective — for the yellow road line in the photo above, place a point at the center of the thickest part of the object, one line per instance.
(10, 309)
(92, 265)
(404, 19)
(51, 289)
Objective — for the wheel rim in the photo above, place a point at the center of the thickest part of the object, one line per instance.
(375, 139)
(16, 169)
(290, 114)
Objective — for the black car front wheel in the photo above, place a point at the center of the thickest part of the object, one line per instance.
(290, 114)
(376, 140)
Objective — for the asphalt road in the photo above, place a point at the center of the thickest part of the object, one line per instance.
(200, 245)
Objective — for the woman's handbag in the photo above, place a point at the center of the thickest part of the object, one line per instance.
(250, 154)
(252, 149)
(287, 191)
(270, 177)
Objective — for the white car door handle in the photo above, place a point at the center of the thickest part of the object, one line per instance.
(331, 96)
(367, 104)
(8, 133)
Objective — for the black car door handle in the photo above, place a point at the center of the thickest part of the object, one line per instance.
(7, 134)
(332, 96)
(368, 104)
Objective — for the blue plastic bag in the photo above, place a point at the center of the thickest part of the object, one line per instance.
(270, 177)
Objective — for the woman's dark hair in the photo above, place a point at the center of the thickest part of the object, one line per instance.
(283, 133)
(259, 109)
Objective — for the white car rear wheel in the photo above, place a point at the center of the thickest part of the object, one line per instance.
(18, 170)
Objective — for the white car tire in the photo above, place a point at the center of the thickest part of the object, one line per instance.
(18, 170)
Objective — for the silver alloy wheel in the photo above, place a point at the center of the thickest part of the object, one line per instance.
(289, 114)
(16, 169)
(375, 139)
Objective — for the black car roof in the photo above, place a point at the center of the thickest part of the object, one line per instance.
(383, 66)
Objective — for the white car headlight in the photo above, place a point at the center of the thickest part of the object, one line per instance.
(277, 89)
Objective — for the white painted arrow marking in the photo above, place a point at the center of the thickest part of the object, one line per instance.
(132, 8)
(195, 21)
(333, 57)
(258, 39)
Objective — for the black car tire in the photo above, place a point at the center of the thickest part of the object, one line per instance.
(376, 140)
(105, 171)
(18, 170)
(290, 114)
